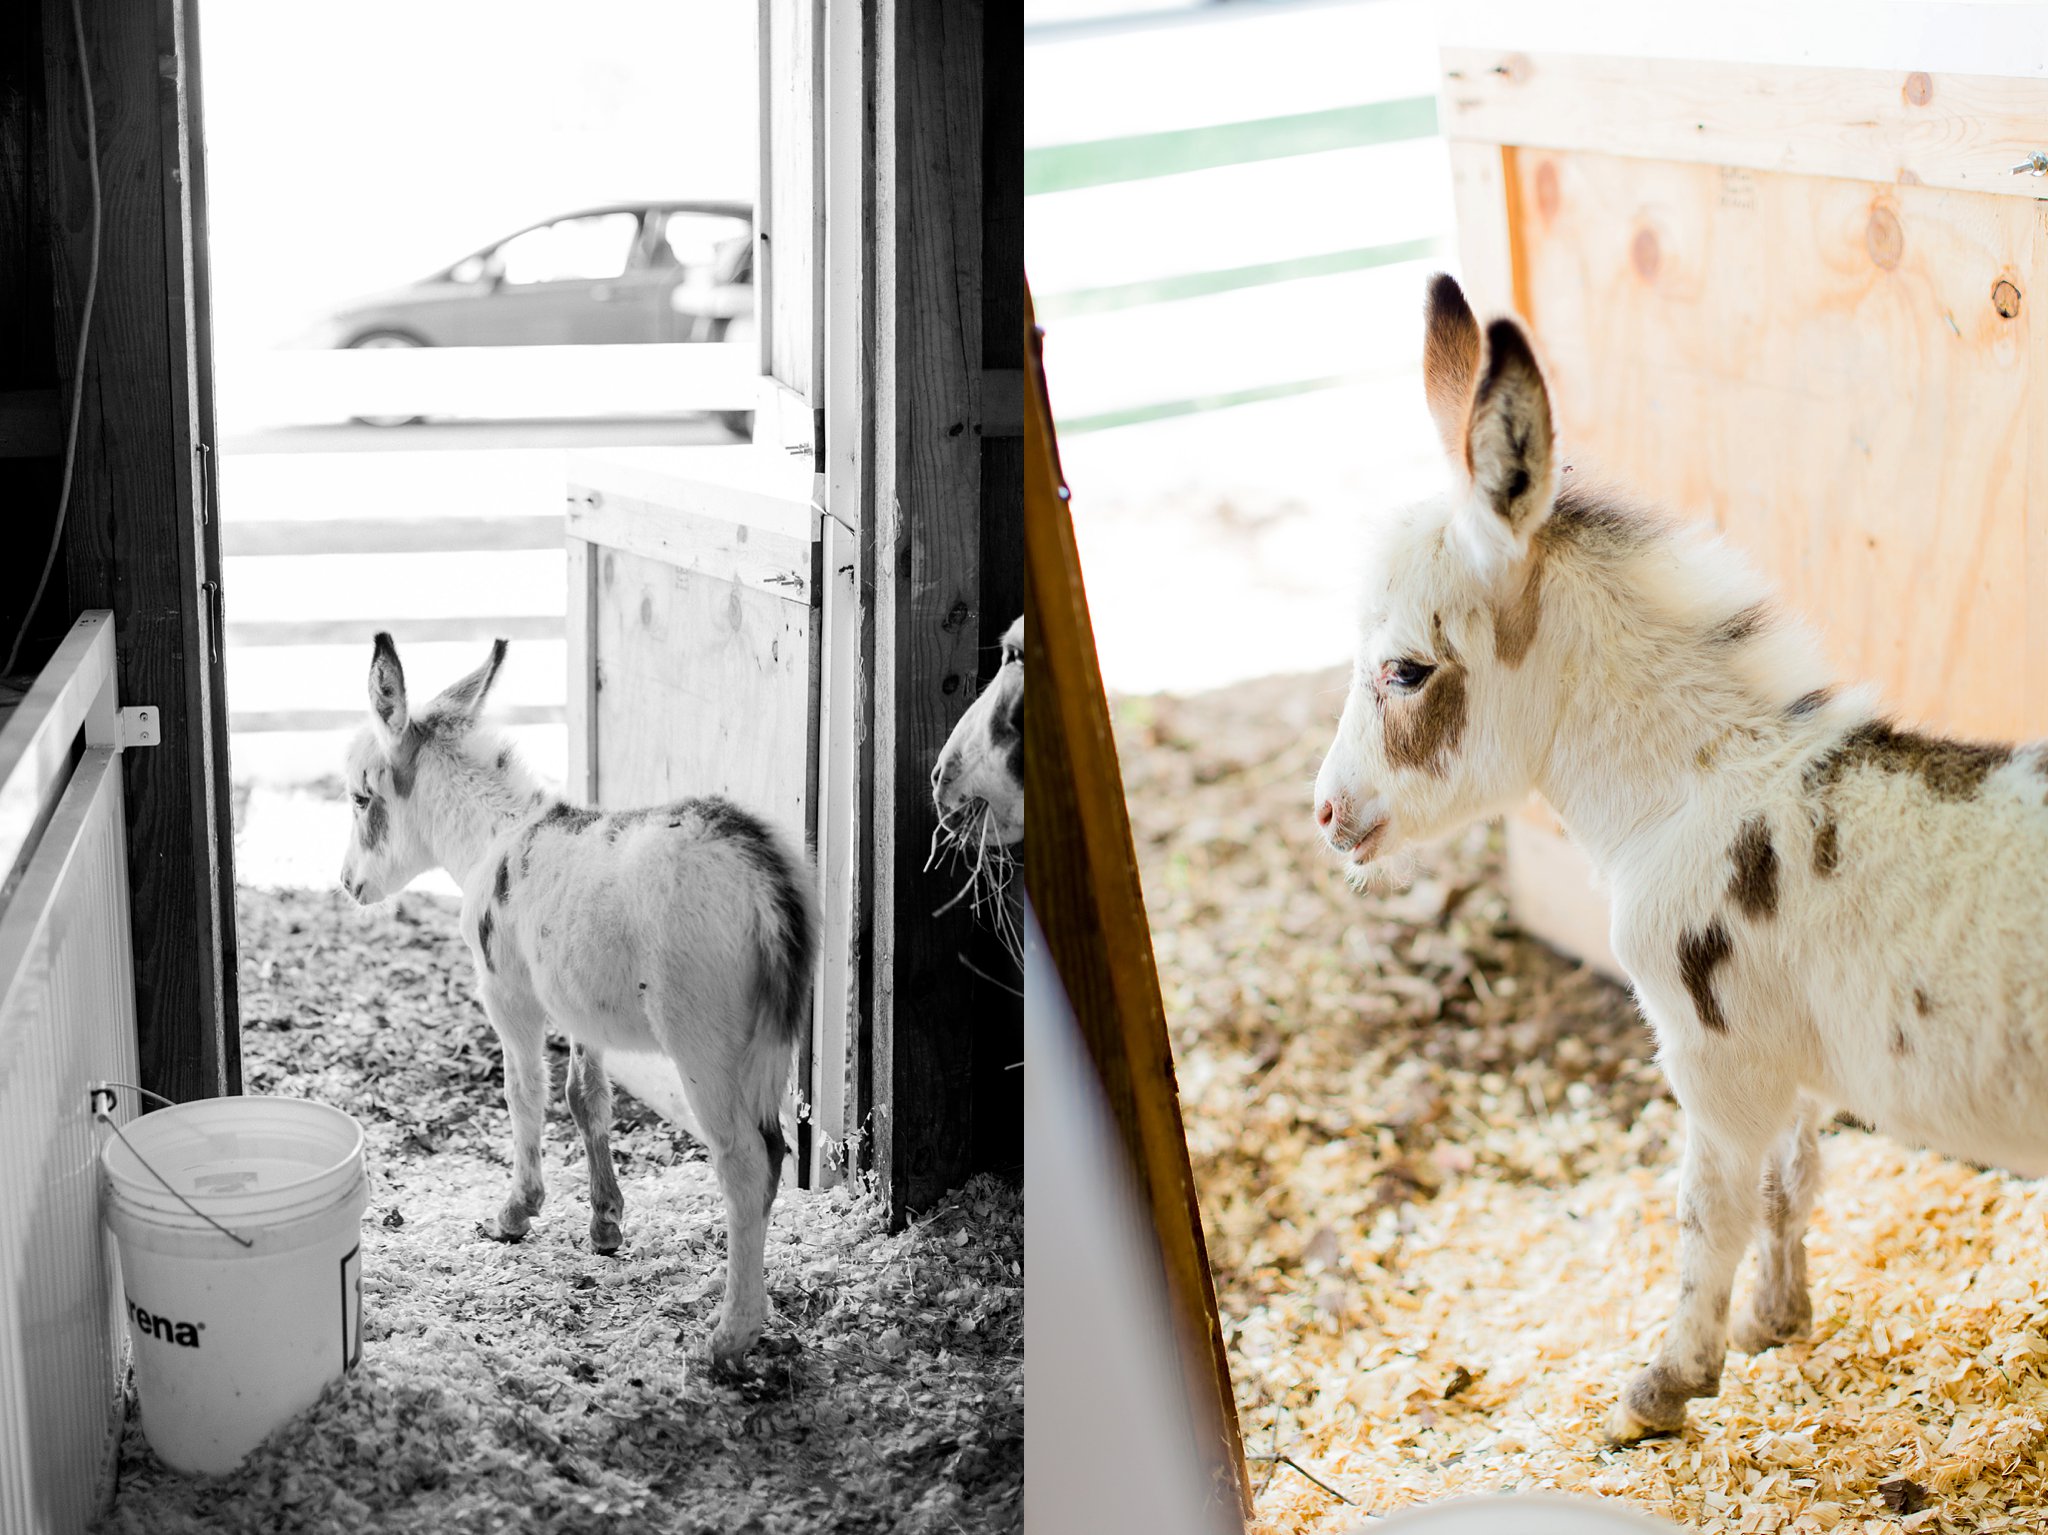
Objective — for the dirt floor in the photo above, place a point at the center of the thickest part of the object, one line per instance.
(1438, 1171)
(540, 1387)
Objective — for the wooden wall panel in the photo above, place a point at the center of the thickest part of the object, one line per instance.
(793, 91)
(143, 533)
(1822, 368)
(703, 687)
(926, 1006)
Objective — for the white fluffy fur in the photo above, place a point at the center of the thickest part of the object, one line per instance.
(1908, 986)
(642, 931)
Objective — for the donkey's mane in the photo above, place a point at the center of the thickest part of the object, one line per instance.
(482, 766)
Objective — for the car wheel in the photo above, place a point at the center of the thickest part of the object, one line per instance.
(380, 340)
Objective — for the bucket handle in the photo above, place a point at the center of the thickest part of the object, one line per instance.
(105, 1090)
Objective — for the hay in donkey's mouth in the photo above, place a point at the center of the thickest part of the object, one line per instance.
(966, 839)
(1437, 1169)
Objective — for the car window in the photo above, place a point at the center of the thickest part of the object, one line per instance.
(587, 249)
(695, 241)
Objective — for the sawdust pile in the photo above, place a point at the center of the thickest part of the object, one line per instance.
(541, 1387)
(1438, 1170)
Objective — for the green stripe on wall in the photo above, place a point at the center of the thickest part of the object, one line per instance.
(1140, 156)
(1138, 415)
(1160, 290)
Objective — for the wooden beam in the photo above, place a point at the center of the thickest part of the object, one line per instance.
(926, 1006)
(143, 536)
(1082, 872)
(997, 1089)
(31, 424)
(1965, 132)
(390, 535)
(406, 631)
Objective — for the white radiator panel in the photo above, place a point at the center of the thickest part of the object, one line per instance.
(67, 1019)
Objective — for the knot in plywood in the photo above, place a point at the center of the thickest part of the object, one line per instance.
(1919, 88)
(1883, 238)
(2005, 298)
(1646, 254)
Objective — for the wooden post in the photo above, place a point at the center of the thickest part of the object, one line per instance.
(927, 1007)
(143, 536)
(1082, 871)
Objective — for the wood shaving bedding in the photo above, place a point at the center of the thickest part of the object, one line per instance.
(1438, 1170)
(540, 1387)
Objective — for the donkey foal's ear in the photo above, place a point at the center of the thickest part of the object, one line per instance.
(1450, 361)
(461, 702)
(1508, 447)
(387, 689)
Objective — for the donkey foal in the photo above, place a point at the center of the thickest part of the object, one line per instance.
(687, 928)
(1819, 909)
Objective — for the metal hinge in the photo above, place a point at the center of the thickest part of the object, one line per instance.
(139, 727)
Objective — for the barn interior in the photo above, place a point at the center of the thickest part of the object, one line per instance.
(881, 407)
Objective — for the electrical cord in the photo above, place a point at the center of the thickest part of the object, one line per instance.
(92, 285)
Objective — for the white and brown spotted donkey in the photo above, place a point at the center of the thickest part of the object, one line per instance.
(685, 928)
(1820, 909)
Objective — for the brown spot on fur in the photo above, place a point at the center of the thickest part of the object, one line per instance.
(1920, 1003)
(1597, 525)
(1755, 885)
(1423, 731)
(1899, 1045)
(376, 822)
(1514, 621)
(1809, 703)
(503, 888)
(1732, 631)
(1450, 361)
(1827, 848)
(484, 924)
(1699, 956)
(1951, 770)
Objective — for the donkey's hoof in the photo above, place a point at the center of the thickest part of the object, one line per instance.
(508, 1225)
(1624, 1427)
(729, 1344)
(605, 1235)
(1760, 1328)
(1654, 1403)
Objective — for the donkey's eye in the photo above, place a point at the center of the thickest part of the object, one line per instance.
(360, 799)
(1407, 675)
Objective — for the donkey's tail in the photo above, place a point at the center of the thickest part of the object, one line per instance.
(785, 937)
(786, 942)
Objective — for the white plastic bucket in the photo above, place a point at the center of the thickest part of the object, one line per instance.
(230, 1341)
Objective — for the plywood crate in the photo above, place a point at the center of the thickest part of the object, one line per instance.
(1808, 302)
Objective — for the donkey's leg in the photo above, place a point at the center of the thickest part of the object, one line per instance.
(715, 1063)
(590, 1105)
(521, 1023)
(1779, 1309)
(1727, 1133)
(739, 1155)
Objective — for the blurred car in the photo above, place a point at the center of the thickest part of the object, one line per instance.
(667, 271)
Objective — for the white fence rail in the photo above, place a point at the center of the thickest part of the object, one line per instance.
(486, 383)
(67, 1020)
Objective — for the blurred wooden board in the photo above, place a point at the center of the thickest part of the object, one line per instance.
(1818, 366)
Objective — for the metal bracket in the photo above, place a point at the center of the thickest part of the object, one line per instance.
(140, 727)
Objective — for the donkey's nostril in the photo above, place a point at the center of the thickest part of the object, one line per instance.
(1326, 813)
